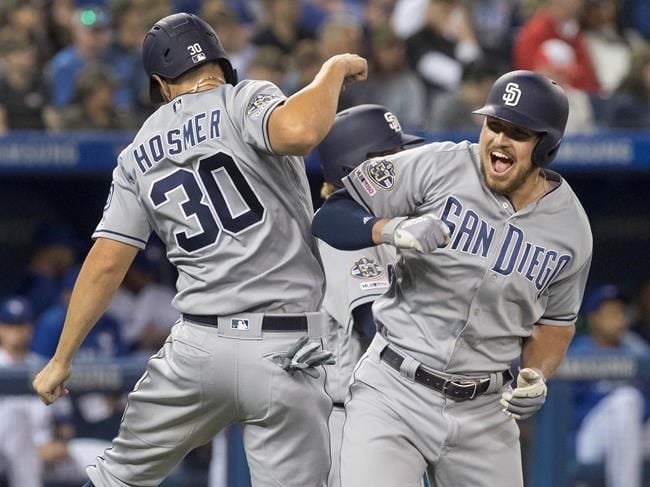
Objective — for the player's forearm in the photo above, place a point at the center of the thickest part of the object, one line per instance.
(304, 119)
(546, 347)
(343, 223)
(100, 276)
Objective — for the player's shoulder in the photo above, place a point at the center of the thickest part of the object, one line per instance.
(568, 204)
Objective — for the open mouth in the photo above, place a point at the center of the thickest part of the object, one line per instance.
(501, 162)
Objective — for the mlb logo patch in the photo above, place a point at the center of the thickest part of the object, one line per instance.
(382, 173)
(365, 184)
(239, 324)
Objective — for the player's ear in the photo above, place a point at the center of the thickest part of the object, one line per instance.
(163, 86)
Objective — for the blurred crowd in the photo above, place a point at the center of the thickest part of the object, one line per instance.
(75, 64)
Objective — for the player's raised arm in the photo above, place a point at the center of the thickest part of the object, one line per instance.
(101, 274)
(299, 124)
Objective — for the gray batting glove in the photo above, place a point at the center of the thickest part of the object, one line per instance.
(304, 356)
(423, 233)
(528, 397)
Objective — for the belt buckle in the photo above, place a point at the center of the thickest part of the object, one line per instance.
(460, 384)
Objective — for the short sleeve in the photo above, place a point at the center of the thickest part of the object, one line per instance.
(124, 219)
(565, 298)
(251, 106)
(394, 185)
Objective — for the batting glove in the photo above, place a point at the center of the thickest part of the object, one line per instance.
(304, 356)
(423, 233)
(528, 397)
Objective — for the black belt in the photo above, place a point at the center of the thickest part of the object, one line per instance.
(269, 322)
(458, 390)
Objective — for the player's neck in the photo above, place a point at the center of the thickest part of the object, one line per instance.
(196, 85)
(530, 191)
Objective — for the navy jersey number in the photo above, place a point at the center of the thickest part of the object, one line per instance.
(193, 205)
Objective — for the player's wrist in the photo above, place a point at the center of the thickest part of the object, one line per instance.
(380, 232)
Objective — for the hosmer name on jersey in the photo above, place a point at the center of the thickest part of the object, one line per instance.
(473, 235)
(196, 129)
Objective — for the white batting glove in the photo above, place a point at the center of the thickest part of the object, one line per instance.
(423, 233)
(528, 397)
(304, 356)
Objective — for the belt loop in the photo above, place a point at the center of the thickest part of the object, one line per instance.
(496, 382)
(408, 368)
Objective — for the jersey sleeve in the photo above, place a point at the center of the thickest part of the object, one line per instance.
(124, 219)
(565, 298)
(251, 105)
(395, 185)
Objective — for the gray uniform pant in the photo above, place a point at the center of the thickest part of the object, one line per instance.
(201, 381)
(396, 429)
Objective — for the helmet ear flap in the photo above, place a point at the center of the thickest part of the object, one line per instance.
(546, 149)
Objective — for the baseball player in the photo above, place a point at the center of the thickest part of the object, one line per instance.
(493, 254)
(354, 278)
(209, 173)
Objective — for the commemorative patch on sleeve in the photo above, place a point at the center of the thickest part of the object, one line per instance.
(363, 181)
(381, 172)
(258, 104)
(366, 268)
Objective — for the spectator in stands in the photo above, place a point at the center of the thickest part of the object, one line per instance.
(629, 107)
(608, 47)
(438, 51)
(143, 307)
(494, 22)
(280, 26)
(27, 18)
(377, 14)
(557, 19)
(132, 21)
(409, 17)
(610, 414)
(340, 34)
(453, 111)
(60, 16)
(55, 247)
(93, 106)
(91, 44)
(268, 64)
(234, 34)
(392, 82)
(23, 96)
(306, 63)
(557, 59)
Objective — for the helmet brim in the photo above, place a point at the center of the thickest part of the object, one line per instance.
(514, 117)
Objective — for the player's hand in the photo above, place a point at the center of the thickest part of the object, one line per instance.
(355, 68)
(528, 397)
(304, 356)
(49, 382)
(423, 233)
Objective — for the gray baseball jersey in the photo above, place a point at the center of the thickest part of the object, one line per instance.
(465, 308)
(236, 219)
(353, 278)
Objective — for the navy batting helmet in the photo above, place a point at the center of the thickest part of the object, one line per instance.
(534, 102)
(357, 134)
(178, 43)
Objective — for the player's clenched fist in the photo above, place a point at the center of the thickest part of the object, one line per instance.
(528, 397)
(354, 67)
(49, 382)
(423, 233)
